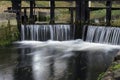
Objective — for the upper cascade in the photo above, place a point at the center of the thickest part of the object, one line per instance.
(101, 34)
(46, 32)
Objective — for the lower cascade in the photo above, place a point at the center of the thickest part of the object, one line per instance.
(45, 32)
(39, 59)
(63, 60)
(101, 34)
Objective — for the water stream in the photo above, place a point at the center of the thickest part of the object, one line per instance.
(102, 34)
(46, 32)
(55, 60)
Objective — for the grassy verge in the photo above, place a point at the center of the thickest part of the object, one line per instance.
(115, 66)
(102, 13)
(111, 72)
(8, 33)
(116, 23)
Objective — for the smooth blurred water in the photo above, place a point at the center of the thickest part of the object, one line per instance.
(46, 32)
(102, 34)
(55, 60)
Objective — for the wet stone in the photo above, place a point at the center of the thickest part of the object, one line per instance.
(117, 56)
(117, 74)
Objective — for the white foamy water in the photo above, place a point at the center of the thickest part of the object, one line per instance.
(46, 32)
(68, 45)
(53, 59)
(101, 34)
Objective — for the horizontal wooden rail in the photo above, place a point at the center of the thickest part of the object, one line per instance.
(91, 8)
(49, 24)
(49, 7)
(98, 8)
(63, 0)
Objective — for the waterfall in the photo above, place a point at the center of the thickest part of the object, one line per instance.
(62, 60)
(45, 32)
(101, 34)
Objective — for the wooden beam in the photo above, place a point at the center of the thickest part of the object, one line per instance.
(72, 16)
(16, 6)
(52, 11)
(108, 12)
(78, 11)
(49, 7)
(100, 8)
(90, 8)
(32, 5)
(63, 0)
(87, 12)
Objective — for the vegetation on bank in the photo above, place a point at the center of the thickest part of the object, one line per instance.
(111, 72)
(100, 76)
(115, 66)
(8, 33)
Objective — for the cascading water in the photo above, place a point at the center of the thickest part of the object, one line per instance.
(45, 32)
(101, 34)
(58, 60)
(62, 60)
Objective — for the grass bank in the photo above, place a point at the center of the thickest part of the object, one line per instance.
(8, 32)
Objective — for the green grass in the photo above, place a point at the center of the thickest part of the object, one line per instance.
(97, 14)
(4, 5)
(100, 76)
(115, 12)
(42, 3)
(97, 4)
(115, 22)
(115, 66)
(102, 13)
(8, 33)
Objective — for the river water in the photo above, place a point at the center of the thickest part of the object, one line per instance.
(55, 60)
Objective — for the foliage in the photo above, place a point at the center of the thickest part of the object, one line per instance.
(8, 34)
(100, 76)
(115, 66)
(4, 5)
(116, 22)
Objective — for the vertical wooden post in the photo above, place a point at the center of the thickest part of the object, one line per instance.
(71, 16)
(9, 30)
(19, 19)
(32, 5)
(25, 16)
(72, 23)
(16, 5)
(83, 9)
(86, 20)
(87, 13)
(82, 17)
(78, 12)
(108, 12)
(78, 27)
(52, 11)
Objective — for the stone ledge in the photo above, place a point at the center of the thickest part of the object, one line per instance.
(112, 73)
(117, 57)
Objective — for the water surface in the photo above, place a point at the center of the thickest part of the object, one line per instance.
(55, 60)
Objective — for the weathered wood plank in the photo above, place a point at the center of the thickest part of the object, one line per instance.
(63, 0)
(52, 11)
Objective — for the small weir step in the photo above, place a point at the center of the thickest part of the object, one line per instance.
(102, 34)
(46, 32)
